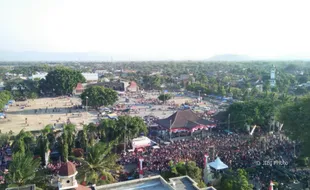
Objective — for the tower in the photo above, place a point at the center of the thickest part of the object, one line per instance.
(66, 176)
(273, 76)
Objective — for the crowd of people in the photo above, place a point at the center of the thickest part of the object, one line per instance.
(237, 151)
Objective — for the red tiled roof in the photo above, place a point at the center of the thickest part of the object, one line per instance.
(81, 187)
(67, 169)
(79, 86)
(133, 84)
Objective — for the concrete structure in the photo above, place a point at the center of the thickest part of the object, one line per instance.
(155, 183)
(118, 86)
(2, 86)
(101, 72)
(91, 77)
(207, 175)
(26, 187)
(273, 76)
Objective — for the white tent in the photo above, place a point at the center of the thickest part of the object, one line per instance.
(218, 164)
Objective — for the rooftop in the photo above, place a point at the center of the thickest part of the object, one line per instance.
(27, 187)
(154, 183)
(150, 183)
(183, 183)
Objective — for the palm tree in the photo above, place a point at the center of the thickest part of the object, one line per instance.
(99, 161)
(92, 131)
(45, 142)
(23, 141)
(22, 169)
(108, 130)
(81, 138)
(70, 136)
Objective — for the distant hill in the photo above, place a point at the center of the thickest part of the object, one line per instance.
(230, 57)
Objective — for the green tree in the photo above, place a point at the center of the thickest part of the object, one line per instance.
(22, 89)
(152, 82)
(266, 87)
(252, 112)
(66, 141)
(98, 162)
(303, 79)
(5, 96)
(99, 96)
(185, 168)
(125, 126)
(296, 120)
(202, 78)
(164, 97)
(5, 138)
(236, 181)
(23, 142)
(71, 131)
(22, 169)
(82, 138)
(87, 136)
(254, 91)
(61, 81)
(222, 91)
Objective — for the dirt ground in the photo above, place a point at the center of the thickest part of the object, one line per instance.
(21, 115)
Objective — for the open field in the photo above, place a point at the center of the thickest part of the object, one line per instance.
(35, 114)
(49, 111)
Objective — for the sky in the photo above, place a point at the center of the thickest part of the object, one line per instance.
(175, 29)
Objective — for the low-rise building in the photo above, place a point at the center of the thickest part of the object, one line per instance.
(156, 183)
(133, 87)
(91, 77)
(38, 76)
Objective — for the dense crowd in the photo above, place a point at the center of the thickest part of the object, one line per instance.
(237, 151)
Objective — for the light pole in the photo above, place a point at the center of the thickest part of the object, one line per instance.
(86, 107)
(199, 95)
(125, 137)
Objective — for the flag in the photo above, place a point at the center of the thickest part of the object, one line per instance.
(271, 185)
(165, 91)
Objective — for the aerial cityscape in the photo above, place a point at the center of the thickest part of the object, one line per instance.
(161, 95)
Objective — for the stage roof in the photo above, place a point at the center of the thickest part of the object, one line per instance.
(183, 119)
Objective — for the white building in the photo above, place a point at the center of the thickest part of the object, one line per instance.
(91, 77)
(2, 86)
(101, 72)
(38, 76)
(273, 76)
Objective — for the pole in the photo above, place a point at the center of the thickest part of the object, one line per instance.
(228, 122)
(199, 95)
(170, 130)
(86, 107)
(125, 137)
(164, 98)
